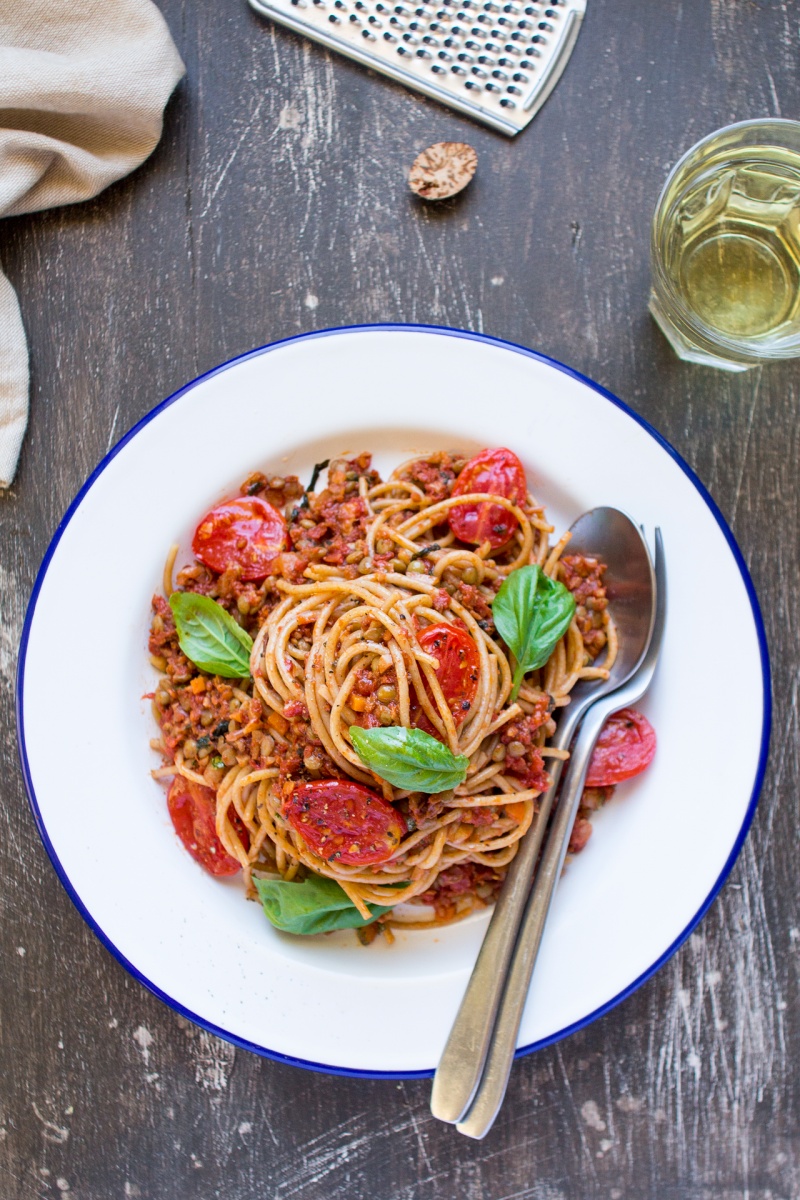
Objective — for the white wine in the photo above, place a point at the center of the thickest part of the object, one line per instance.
(738, 254)
(726, 247)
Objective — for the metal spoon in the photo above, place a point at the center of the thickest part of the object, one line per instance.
(613, 537)
(492, 1089)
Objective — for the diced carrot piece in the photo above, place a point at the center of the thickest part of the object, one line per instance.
(198, 685)
(358, 703)
(278, 722)
(517, 810)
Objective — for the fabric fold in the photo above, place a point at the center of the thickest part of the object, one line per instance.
(83, 85)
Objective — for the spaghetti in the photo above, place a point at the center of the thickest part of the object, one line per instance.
(375, 611)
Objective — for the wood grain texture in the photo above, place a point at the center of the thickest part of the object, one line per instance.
(276, 203)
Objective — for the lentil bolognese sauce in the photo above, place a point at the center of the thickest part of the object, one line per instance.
(358, 683)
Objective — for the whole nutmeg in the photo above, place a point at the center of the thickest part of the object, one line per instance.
(442, 170)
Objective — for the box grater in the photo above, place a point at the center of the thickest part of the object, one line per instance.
(495, 60)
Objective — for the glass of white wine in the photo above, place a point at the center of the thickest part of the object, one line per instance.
(726, 247)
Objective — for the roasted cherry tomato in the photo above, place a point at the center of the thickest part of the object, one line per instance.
(625, 747)
(458, 671)
(193, 811)
(245, 532)
(500, 473)
(344, 822)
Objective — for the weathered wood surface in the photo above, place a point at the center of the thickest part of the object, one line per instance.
(276, 203)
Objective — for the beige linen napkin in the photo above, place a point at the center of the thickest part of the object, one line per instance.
(83, 84)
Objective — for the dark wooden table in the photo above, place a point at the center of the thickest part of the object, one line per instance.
(276, 203)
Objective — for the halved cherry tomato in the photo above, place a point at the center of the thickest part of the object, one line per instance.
(344, 822)
(625, 747)
(458, 672)
(245, 532)
(497, 472)
(193, 811)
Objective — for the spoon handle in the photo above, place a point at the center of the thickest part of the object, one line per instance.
(500, 1056)
(461, 1064)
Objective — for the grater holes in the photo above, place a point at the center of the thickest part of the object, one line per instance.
(488, 52)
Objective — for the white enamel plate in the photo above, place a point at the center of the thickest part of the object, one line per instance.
(660, 849)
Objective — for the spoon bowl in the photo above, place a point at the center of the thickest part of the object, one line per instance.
(611, 535)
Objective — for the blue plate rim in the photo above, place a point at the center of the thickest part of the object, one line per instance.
(447, 331)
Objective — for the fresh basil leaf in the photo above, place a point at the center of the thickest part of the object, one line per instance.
(210, 637)
(409, 758)
(531, 612)
(317, 905)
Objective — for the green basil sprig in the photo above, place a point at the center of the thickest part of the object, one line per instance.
(317, 905)
(409, 758)
(210, 637)
(532, 612)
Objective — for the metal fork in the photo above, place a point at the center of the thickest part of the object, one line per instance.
(492, 1088)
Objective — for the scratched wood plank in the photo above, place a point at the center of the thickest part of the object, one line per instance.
(276, 203)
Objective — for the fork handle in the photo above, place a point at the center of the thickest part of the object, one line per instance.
(459, 1071)
(500, 1057)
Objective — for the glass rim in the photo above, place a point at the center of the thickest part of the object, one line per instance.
(736, 349)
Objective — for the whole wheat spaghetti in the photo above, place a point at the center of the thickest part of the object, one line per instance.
(375, 611)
